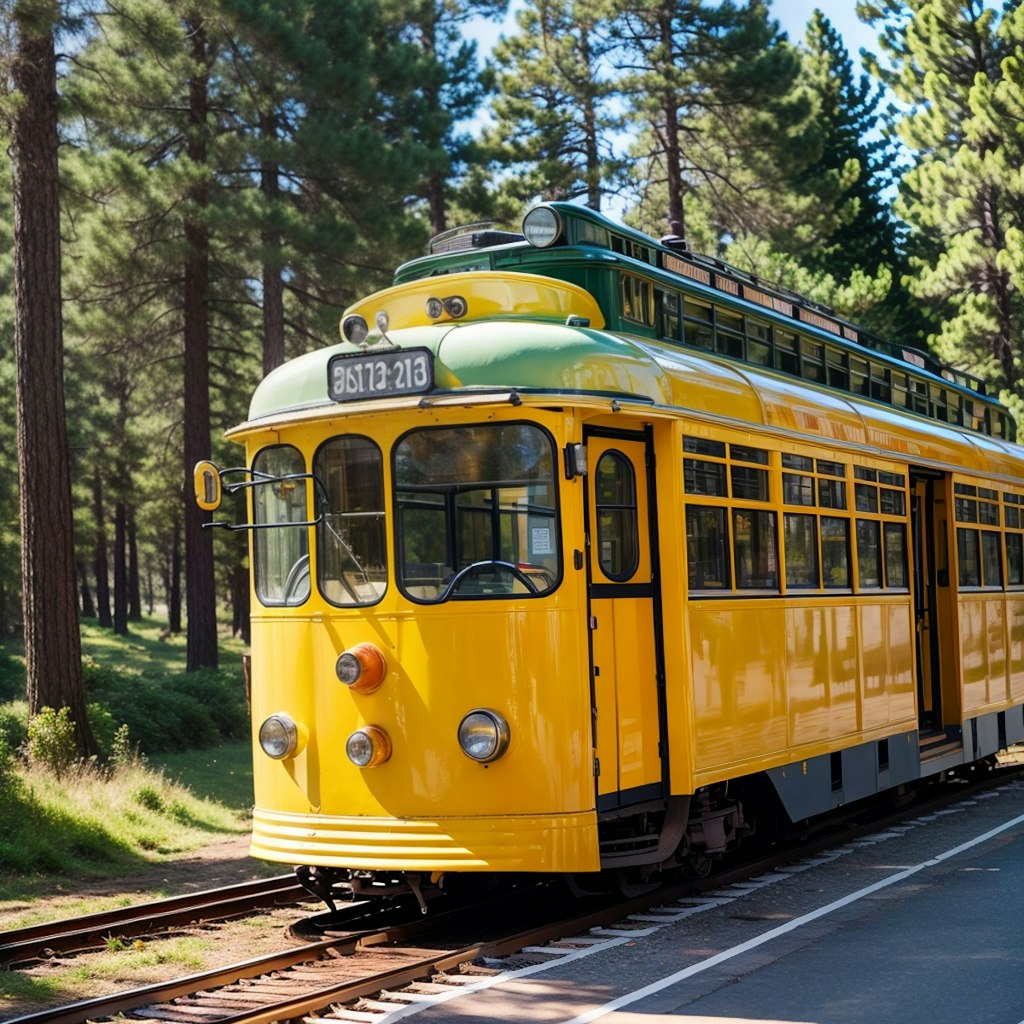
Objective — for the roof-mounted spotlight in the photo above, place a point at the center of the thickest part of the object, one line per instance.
(542, 226)
(354, 328)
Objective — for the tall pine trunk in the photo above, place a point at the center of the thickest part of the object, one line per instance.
(273, 282)
(134, 583)
(53, 651)
(200, 593)
(120, 576)
(100, 567)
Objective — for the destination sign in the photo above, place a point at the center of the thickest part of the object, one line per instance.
(395, 371)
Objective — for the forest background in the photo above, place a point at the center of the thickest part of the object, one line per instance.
(234, 173)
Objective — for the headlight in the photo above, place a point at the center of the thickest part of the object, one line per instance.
(279, 736)
(355, 329)
(368, 747)
(362, 668)
(542, 226)
(483, 735)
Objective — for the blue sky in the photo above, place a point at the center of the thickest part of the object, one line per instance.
(793, 16)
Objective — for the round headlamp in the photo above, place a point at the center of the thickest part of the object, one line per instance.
(368, 747)
(354, 328)
(279, 736)
(362, 668)
(484, 735)
(542, 226)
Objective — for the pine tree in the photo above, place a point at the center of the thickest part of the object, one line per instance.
(714, 91)
(555, 119)
(952, 64)
(450, 91)
(325, 118)
(53, 662)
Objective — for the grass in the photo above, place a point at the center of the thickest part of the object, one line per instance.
(105, 819)
(124, 963)
(90, 823)
(222, 774)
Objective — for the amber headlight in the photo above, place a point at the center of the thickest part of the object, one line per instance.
(279, 736)
(483, 735)
(368, 747)
(362, 668)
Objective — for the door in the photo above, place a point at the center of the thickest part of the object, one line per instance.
(934, 603)
(626, 657)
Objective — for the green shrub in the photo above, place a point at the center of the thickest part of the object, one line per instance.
(104, 727)
(14, 725)
(12, 678)
(122, 751)
(10, 783)
(51, 740)
(148, 797)
(181, 711)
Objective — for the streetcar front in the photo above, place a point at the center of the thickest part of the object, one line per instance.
(420, 687)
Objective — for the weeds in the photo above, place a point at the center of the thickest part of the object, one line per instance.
(90, 819)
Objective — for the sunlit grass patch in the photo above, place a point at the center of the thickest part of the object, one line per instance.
(96, 822)
(137, 956)
(135, 807)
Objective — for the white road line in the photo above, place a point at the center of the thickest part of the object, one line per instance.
(789, 926)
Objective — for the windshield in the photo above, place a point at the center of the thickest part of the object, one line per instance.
(282, 555)
(476, 512)
(351, 553)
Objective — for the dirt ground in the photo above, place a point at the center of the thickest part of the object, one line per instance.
(132, 962)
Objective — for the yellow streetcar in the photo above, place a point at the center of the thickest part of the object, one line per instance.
(582, 553)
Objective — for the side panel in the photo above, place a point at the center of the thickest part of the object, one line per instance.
(1015, 650)
(983, 646)
(772, 679)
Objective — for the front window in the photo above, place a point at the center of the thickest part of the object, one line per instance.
(351, 552)
(476, 512)
(281, 550)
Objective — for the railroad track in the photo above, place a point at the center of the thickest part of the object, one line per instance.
(440, 955)
(92, 931)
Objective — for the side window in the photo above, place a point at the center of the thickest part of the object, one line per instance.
(882, 538)
(1014, 523)
(801, 550)
(616, 514)
(730, 543)
(817, 546)
(636, 299)
(980, 544)
(755, 549)
(707, 548)
(835, 551)
(968, 557)
(281, 510)
(869, 554)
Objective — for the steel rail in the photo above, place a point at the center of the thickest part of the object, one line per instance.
(90, 931)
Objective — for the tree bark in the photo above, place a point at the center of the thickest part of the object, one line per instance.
(88, 608)
(174, 581)
(53, 651)
(273, 283)
(134, 582)
(100, 567)
(200, 592)
(120, 576)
